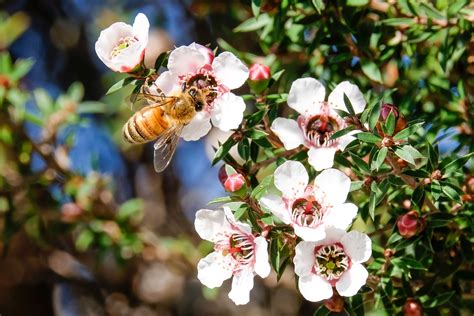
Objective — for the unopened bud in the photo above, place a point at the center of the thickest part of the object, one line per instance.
(259, 72)
(412, 307)
(385, 110)
(410, 224)
(222, 175)
(234, 182)
(388, 253)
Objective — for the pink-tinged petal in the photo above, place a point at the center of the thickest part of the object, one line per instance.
(332, 186)
(229, 70)
(129, 58)
(336, 98)
(197, 128)
(275, 204)
(214, 269)
(205, 51)
(306, 95)
(242, 284)
(310, 233)
(341, 215)
(108, 39)
(185, 60)
(140, 28)
(241, 227)
(168, 83)
(352, 280)
(291, 178)
(262, 266)
(358, 246)
(314, 288)
(321, 157)
(343, 141)
(227, 111)
(288, 131)
(209, 224)
(304, 258)
(333, 235)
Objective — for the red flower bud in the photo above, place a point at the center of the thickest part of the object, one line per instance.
(412, 307)
(386, 109)
(234, 182)
(335, 303)
(222, 175)
(259, 72)
(410, 224)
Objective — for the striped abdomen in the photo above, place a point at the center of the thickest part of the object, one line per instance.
(145, 125)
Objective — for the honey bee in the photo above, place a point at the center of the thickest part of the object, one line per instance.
(163, 119)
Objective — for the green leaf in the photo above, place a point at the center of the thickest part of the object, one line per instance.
(21, 68)
(375, 115)
(408, 263)
(451, 193)
(368, 137)
(120, 84)
(400, 152)
(243, 148)
(371, 70)
(240, 211)
(255, 118)
(256, 134)
(405, 133)
(398, 22)
(162, 60)
(262, 187)
(84, 240)
(357, 3)
(456, 165)
(254, 23)
(432, 12)
(390, 124)
(131, 208)
(440, 219)
(439, 300)
(322, 311)
(319, 5)
(348, 105)
(223, 199)
(223, 150)
(256, 8)
(382, 153)
(361, 164)
(44, 102)
(455, 7)
(372, 200)
(342, 132)
(91, 107)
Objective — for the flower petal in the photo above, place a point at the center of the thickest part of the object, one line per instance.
(336, 98)
(140, 28)
(291, 179)
(167, 83)
(185, 60)
(304, 258)
(276, 205)
(352, 280)
(197, 128)
(321, 157)
(357, 245)
(242, 283)
(343, 141)
(242, 227)
(314, 288)
(262, 266)
(214, 269)
(209, 223)
(309, 233)
(206, 51)
(333, 235)
(341, 215)
(229, 70)
(306, 95)
(288, 131)
(227, 111)
(332, 186)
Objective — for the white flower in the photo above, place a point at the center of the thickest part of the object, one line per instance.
(237, 253)
(334, 261)
(318, 121)
(195, 65)
(310, 208)
(121, 47)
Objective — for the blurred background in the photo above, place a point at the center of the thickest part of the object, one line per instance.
(88, 227)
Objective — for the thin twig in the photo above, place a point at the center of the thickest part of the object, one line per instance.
(271, 160)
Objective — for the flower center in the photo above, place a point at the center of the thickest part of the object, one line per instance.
(206, 83)
(331, 261)
(123, 43)
(241, 248)
(307, 212)
(319, 130)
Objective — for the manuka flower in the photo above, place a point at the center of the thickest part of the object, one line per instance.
(334, 261)
(318, 120)
(237, 253)
(121, 47)
(195, 65)
(310, 208)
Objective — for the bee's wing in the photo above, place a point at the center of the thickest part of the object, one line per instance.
(141, 100)
(165, 147)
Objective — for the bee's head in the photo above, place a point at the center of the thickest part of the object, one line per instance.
(197, 99)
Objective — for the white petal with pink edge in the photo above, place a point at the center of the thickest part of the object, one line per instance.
(341, 215)
(140, 28)
(242, 284)
(229, 70)
(210, 223)
(197, 128)
(352, 280)
(276, 205)
(241, 227)
(167, 83)
(357, 246)
(214, 269)
(314, 288)
(205, 51)
(262, 266)
(332, 186)
(185, 60)
(288, 131)
(321, 157)
(291, 178)
(306, 95)
(336, 98)
(227, 111)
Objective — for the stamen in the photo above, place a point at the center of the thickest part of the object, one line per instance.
(123, 43)
(331, 261)
(319, 130)
(241, 248)
(307, 213)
